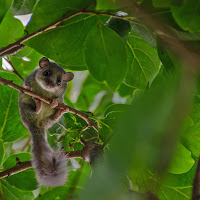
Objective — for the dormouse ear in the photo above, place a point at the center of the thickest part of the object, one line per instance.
(68, 76)
(44, 62)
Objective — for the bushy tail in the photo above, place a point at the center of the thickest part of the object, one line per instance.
(50, 166)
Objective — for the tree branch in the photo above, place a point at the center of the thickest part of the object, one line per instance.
(84, 116)
(14, 70)
(21, 166)
(13, 48)
(196, 183)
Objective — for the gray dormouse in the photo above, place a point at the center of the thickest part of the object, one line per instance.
(49, 80)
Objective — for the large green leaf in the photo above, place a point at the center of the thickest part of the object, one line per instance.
(24, 180)
(4, 6)
(187, 15)
(22, 7)
(182, 161)
(10, 29)
(144, 62)
(11, 127)
(105, 55)
(65, 44)
(11, 193)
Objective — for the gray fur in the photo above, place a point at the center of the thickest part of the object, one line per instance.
(50, 166)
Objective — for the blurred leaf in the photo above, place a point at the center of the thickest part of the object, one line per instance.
(195, 111)
(144, 33)
(1, 151)
(145, 63)
(105, 55)
(4, 6)
(116, 107)
(11, 193)
(171, 193)
(182, 161)
(67, 42)
(10, 29)
(187, 15)
(109, 123)
(10, 122)
(191, 139)
(161, 3)
(22, 7)
(180, 180)
(141, 135)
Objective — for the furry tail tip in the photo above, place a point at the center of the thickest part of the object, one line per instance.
(52, 172)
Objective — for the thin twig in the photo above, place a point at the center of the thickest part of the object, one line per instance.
(196, 183)
(16, 169)
(84, 116)
(14, 70)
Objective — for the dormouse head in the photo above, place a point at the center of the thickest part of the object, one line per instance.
(52, 77)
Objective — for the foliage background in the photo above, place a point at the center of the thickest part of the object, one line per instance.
(129, 79)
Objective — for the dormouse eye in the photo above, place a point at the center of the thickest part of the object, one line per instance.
(47, 73)
(59, 80)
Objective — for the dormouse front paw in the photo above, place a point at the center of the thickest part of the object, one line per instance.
(53, 103)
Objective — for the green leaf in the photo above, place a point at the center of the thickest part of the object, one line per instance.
(182, 161)
(1, 151)
(67, 42)
(22, 7)
(107, 5)
(48, 11)
(187, 15)
(144, 63)
(161, 3)
(116, 108)
(125, 91)
(191, 139)
(180, 180)
(195, 111)
(144, 33)
(105, 55)
(4, 6)
(11, 127)
(54, 194)
(175, 193)
(11, 193)
(10, 29)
